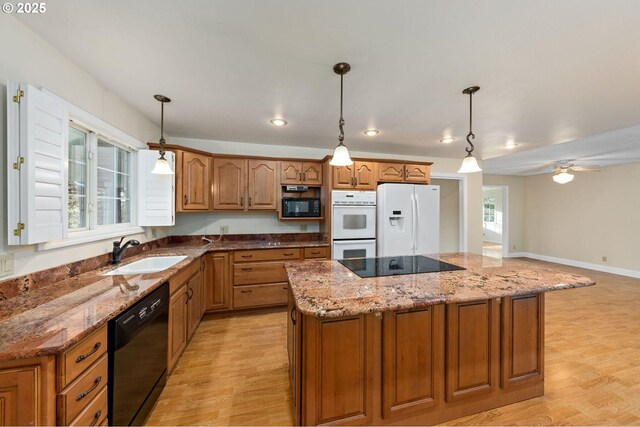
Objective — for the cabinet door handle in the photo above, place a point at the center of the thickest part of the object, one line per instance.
(93, 350)
(304, 176)
(246, 269)
(246, 256)
(246, 292)
(96, 418)
(190, 293)
(292, 316)
(84, 394)
(185, 199)
(242, 201)
(186, 299)
(249, 201)
(300, 174)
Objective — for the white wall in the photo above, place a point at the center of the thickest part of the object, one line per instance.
(27, 58)
(492, 231)
(449, 214)
(269, 225)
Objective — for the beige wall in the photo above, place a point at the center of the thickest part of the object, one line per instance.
(593, 216)
(27, 58)
(449, 214)
(516, 185)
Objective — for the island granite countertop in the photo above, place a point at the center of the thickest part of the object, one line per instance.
(327, 289)
(56, 316)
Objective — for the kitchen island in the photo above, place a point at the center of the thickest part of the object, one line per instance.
(417, 349)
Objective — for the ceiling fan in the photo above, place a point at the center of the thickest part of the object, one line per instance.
(562, 171)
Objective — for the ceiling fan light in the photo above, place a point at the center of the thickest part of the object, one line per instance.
(162, 167)
(469, 165)
(562, 177)
(341, 156)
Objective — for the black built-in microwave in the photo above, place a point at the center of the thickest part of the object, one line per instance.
(293, 207)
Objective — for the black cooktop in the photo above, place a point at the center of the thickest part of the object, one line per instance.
(396, 265)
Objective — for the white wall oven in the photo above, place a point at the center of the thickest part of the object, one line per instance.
(353, 227)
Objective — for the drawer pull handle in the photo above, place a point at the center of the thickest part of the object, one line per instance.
(246, 269)
(246, 292)
(84, 356)
(96, 417)
(288, 254)
(84, 394)
(285, 288)
(246, 256)
(315, 252)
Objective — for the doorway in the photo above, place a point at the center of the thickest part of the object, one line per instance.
(495, 203)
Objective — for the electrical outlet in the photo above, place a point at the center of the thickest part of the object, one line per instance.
(6, 264)
(303, 227)
(224, 229)
(514, 247)
(604, 259)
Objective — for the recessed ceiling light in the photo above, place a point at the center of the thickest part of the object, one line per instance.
(371, 132)
(278, 122)
(448, 140)
(510, 145)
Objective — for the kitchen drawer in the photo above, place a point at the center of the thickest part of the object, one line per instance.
(184, 274)
(94, 413)
(267, 255)
(80, 357)
(260, 295)
(80, 392)
(252, 273)
(320, 252)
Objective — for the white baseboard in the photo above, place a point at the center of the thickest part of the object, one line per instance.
(574, 263)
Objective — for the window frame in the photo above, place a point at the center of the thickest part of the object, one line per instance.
(98, 129)
(487, 200)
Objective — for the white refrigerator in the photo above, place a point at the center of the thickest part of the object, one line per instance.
(408, 219)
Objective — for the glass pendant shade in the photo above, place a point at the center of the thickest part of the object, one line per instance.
(563, 177)
(341, 156)
(469, 165)
(162, 167)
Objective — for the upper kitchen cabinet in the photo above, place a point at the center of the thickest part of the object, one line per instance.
(229, 178)
(262, 185)
(305, 173)
(360, 176)
(241, 184)
(193, 180)
(400, 172)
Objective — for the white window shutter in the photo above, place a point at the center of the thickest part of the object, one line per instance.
(156, 194)
(37, 131)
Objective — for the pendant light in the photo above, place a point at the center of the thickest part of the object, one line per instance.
(470, 164)
(341, 154)
(162, 166)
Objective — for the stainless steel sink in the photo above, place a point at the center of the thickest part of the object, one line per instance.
(147, 265)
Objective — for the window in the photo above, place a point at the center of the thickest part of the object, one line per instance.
(489, 209)
(99, 181)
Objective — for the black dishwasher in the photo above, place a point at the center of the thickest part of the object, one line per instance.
(138, 358)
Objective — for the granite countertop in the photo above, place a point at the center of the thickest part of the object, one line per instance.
(328, 289)
(53, 318)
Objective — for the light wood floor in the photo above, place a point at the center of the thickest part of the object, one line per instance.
(234, 372)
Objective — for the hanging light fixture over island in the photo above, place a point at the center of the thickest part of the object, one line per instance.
(162, 166)
(470, 164)
(341, 154)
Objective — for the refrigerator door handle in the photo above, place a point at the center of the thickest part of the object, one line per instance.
(416, 221)
(413, 221)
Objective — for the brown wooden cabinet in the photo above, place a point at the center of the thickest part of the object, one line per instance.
(177, 326)
(229, 177)
(262, 185)
(195, 304)
(522, 331)
(360, 176)
(411, 353)
(294, 353)
(304, 173)
(401, 172)
(473, 349)
(193, 179)
(20, 395)
(217, 286)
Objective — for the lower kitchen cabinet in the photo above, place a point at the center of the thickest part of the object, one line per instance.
(195, 304)
(177, 326)
(216, 281)
(260, 295)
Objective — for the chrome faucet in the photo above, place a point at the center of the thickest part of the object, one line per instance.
(118, 249)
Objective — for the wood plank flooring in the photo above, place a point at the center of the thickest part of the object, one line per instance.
(235, 371)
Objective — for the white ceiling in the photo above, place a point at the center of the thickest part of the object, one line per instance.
(550, 71)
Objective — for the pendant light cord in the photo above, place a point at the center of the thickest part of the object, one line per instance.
(341, 122)
(469, 150)
(162, 141)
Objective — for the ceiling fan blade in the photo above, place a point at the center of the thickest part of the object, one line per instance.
(585, 169)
